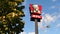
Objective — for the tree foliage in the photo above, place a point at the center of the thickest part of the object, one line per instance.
(10, 16)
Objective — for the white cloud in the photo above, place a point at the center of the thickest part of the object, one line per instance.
(23, 33)
(27, 33)
(47, 20)
(31, 33)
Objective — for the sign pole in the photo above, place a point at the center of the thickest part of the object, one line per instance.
(36, 27)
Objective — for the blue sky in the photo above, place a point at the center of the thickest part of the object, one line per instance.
(51, 17)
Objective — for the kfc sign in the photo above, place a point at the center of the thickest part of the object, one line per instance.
(35, 12)
(36, 9)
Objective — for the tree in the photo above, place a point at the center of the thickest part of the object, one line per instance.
(10, 16)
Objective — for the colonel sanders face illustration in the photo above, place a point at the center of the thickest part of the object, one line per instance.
(35, 8)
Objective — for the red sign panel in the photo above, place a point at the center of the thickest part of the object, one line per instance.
(36, 9)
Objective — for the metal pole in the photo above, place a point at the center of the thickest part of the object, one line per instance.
(36, 27)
